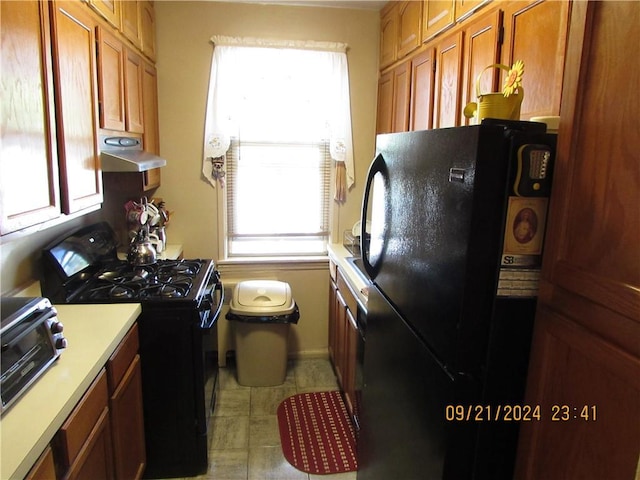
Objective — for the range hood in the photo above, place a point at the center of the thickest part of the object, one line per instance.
(125, 154)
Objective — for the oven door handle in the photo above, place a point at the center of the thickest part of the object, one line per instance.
(210, 319)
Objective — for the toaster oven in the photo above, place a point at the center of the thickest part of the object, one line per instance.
(32, 339)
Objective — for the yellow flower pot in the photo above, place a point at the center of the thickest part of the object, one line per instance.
(495, 105)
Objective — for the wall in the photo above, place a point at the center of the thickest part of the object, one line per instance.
(183, 64)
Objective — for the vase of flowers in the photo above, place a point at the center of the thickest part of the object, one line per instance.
(505, 104)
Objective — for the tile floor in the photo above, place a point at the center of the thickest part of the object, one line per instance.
(246, 441)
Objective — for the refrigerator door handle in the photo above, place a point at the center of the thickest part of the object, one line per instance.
(456, 175)
(370, 258)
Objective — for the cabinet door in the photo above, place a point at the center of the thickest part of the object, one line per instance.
(27, 121)
(333, 320)
(76, 88)
(127, 424)
(96, 459)
(350, 358)
(546, 22)
(109, 9)
(148, 25)
(401, 96)
(448, 82)
(585, 351)
(438, 16)
(384, 120)
(465, 8)
(111, 81)
(341, 322)
(422, 82)
(44, 469)
(409, 27)
(131, 24)
(389, 35)
(151, 137)
(481, 49)
(133, 93)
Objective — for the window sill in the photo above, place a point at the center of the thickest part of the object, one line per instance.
(315, 262)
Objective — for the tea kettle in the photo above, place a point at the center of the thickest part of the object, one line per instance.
(141, 251)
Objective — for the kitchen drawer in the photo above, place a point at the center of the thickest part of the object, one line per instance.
(77, 428)
(119, 362)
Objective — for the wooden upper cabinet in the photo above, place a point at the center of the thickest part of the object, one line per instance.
(151, 137)
(438, 15)
(27, 122)
(481, 49)
(131, 22)
(111, 58)
(385, 103)
(448, 82)
(108, 9)
(389, 35)
(409, 27)
(133, 73)
(148, 25)
(401, 97)
(422, 86)
(547, 23)
(74, 46)
(465, 8)
(586, 348)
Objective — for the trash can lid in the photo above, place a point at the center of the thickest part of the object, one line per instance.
(262, 297)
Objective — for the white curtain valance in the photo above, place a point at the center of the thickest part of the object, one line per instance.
(222, 40)
(250, 92)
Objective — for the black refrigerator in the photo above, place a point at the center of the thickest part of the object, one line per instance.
(456, 219)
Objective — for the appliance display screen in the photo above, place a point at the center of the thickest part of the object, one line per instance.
(71, 261)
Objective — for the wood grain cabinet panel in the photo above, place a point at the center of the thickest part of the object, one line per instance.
(111, 61)
(44, 469)
(133, 93)
(409, 27)
(448, 82)
(536, 33)
(422, 87)
(148, 25)
(27, 118)
(384, 119)
(401, 97)
(389, 34)
(109, 10)
(151, 136)
(131, 22)
(586, 348)
(76, 96)
(464, 8)
(481, 49)
(438, 15)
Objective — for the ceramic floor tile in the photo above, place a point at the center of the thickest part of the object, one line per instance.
(265, 400)
(233, 403)
(316, 374)
(227, 465)
(230, 433)
(228, 380)
(264, 431)
(268, 463)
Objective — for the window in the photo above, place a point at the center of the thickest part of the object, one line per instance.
(276, 124)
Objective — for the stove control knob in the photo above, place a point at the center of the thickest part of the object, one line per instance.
(57, 327)
(61, 343)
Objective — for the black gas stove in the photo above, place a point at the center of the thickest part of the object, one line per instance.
(181, 301)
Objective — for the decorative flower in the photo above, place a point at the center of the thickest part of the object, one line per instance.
(514, 78)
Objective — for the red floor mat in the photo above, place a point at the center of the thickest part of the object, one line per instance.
(316, 433)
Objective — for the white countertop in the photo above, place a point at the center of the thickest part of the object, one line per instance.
(93, 332)
(339, 255)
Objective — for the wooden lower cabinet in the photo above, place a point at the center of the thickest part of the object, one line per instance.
(585, 355)
(343, 339)
(44, 469)
(125, 404)
(103, 437)
(83, 443)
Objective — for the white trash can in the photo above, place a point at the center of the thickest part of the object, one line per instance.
(261, 312)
